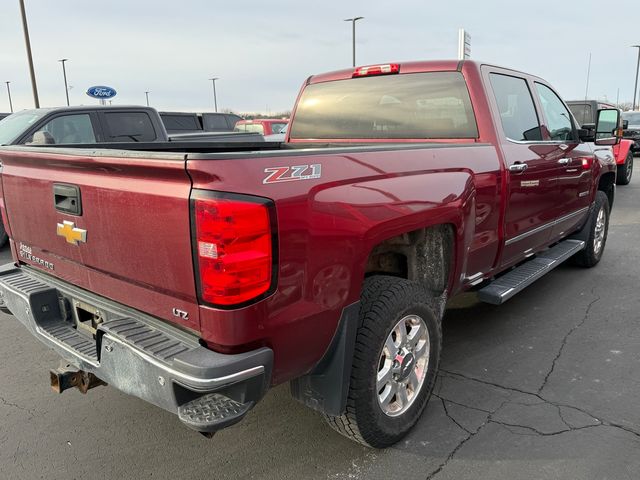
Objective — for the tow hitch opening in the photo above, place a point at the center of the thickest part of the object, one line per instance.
(67, 376)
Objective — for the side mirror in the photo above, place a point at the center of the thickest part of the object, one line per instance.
(608, 131)
(625, 124)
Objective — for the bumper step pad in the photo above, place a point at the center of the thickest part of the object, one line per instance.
(212, 412)
(506, 286)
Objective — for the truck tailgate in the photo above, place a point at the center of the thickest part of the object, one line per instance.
(129, 239)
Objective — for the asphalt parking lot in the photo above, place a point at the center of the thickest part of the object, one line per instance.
(544, 387)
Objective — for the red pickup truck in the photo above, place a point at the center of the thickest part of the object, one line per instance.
(197, 280)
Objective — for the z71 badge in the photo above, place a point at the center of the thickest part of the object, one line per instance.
(291, 174)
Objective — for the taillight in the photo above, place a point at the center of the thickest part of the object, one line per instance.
(376, 70)
(234, 247)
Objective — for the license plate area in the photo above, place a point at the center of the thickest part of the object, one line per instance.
(87, 317)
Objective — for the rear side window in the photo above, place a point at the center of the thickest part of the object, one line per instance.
(129, 127)
(417, 105)
(66, 129)
(516, 108)
(188, 123)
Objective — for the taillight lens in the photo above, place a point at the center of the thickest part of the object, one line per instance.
(234, 248)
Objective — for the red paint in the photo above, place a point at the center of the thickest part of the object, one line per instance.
(326, 225)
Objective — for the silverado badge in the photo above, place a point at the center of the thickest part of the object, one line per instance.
(72, 234)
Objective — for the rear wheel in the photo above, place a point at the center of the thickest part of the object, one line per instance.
(597, 236)
(395, 363)
(625, 171)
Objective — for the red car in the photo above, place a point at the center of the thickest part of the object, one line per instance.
(197, 279)
(585, 112)
(263, 126)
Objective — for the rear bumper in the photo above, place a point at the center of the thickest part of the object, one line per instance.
(138, 354)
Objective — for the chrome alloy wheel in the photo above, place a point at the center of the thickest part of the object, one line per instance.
(629, 168)
(598, 237)
(403, 365)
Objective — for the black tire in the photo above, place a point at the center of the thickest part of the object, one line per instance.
(3, 235)
(385, 301)
(625, 171)
(591, 255)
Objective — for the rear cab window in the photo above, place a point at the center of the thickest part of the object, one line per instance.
(432, 105)
(250, 127)
(129, 127)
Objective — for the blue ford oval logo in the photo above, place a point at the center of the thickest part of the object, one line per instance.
(101, 92)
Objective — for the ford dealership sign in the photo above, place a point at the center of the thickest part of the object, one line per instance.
(101, 92)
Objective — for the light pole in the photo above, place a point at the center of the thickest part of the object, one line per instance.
(25, 28)
(9, 93)
(635, 87)
(147, 95)
(64, 74)
(215, 98)
(353, 35)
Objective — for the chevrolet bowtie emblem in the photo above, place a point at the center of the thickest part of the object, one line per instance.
(70, 233)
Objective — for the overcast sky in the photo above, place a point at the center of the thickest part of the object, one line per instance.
(263, 50)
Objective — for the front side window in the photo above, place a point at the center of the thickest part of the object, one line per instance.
(558, 117)
(66, 129)
(515, 105)
(410, 106)
(277, 127)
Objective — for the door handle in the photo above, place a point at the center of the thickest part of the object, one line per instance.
(564, 161)
(518, 167)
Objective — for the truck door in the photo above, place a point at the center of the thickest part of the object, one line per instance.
(573, 161)
(532, 185)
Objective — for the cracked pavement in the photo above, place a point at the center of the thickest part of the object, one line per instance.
(543, 387)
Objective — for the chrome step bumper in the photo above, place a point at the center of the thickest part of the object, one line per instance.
(138, 354)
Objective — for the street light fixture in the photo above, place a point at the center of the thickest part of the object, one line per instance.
(27, 42)
(353, 35)
(64, 74)
(635, 87)
(9, 93)
(215, 98)
(147, 95)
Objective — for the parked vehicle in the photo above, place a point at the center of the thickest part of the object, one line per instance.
(632, 129)
(263, 126)
(196, 281)
(183, 122)
(4, 115)
(85, 124)
(100, 127)
(585, 112)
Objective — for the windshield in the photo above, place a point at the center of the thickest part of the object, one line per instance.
(15, 125)
(633, 117)
(582, 112)
(418, 105)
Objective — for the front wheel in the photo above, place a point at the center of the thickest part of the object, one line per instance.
(596, 240)
(625, 171)
(396, 360)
